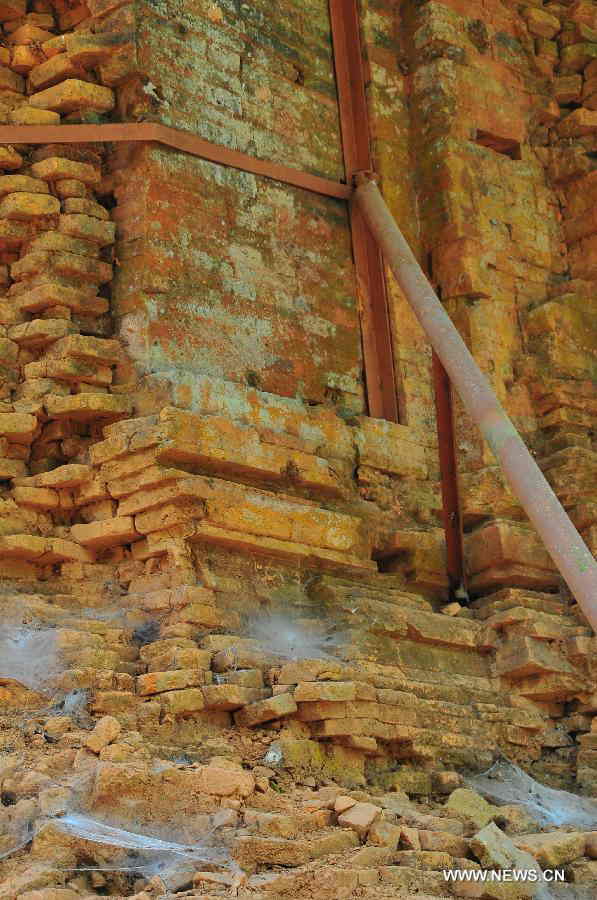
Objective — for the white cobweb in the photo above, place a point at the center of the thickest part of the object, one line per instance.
(29, 655)
(288, 638)
(505, 783)
(146, 853)
(12, 840)
(98, 832)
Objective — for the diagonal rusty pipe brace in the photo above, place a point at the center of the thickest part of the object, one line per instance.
(565, 545)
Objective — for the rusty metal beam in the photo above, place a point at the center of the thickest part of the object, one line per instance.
(563, 542)
(179, 140)
(378, 354)
(380, 375)
(448, 468)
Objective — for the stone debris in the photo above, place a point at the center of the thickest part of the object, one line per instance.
(553, 850)
(105, 732)
(494, 850)
(472, 805)
(359, 817)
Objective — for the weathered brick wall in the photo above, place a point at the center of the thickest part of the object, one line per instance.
(251, 282)
(481, 88)
(394, 153)
(222, 272)
(257, 77)
(240, 279)
(460, 102)
(227, 274)
(183, 437)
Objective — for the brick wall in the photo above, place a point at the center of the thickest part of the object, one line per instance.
(225, 273)
(182, 421)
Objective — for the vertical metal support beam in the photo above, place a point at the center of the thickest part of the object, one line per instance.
(378, 352)
(448, 468)
(563, 542)
(382, 394)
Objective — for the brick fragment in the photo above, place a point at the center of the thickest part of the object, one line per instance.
(106, 730)
(12, 184)
(159, 682)
(68, 476)
(359, 817)
(13, 233)
(579, 122)
(471, 805)
(384, 834)
(25, 206)
(74, 94)
(27, 115)
(325, 691)
(342, 804)
(10, 81)
(230, 697)
(541, 23)
(68, 188)
(9, 158)
(226, 781)
(423, 859)
(54, 293)
(46, 550)
(93, 349)
(89, 50)
(85, 207)
(37, 498)
(24, 57)
(88, 228)
(18, 427)
(54, 168)
(50, 72)
(108, 533)
(86, 407)
(58, 263)
(29, 33)
(62, 243)
(266, 710)
(553, 850)
(185, 702)
(11, 468)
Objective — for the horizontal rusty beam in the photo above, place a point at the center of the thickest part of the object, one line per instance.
(179, 140)
(563, 542)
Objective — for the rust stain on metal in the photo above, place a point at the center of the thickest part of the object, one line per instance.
(562, 540)
(449, 475)
(382, 395)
